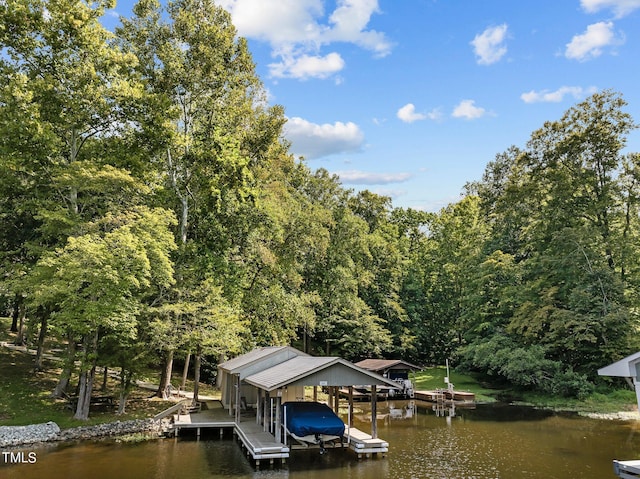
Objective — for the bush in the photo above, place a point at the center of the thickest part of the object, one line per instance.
(524, 367)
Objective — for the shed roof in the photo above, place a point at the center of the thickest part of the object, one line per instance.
(259, 359)
(315, 371)
(385, 364)
(625, 368)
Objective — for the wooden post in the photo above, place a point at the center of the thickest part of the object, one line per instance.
(258, 406)
(315, 393)
(278, 420)
(265, 418)
(374, 412)
(237, 417)
(350, 418)
(336, 399)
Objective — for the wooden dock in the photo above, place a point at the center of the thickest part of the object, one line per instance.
(261, 445)
(258, 444)
(627, 469)
(444, 395)
(363, 444)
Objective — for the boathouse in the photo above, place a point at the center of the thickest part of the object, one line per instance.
(260, 382)
(389, 368)
(628, 368)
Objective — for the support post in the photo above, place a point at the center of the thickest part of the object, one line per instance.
(278, 420)
(374, 412)
(350, 418)
(237, 417)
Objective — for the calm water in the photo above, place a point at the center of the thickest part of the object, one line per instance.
(489, 442)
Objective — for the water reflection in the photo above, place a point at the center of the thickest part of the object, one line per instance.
(488, 442)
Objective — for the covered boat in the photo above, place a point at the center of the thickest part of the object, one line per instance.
(312, 422)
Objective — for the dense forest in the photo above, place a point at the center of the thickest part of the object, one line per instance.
(150, 210)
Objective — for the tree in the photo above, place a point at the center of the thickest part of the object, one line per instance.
(201, 82)
(93, 285)
(63, 88)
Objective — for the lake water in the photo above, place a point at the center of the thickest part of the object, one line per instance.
(488, 442)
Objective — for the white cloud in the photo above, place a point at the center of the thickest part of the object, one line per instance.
(620, 7)
(468, 110)
(306, 66)
(357, 177)
(408, 114)
(546, 96)
(489, 45)
(312, 140)
(297, 30)
(590, 44)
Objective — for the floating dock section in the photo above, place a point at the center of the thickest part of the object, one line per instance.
(444, 395)
(627, 469)
(364, 445)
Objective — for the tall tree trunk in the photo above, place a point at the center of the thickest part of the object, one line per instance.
(84, 394)
(87, 376)
(125, 389)
(185, 371)
(65, 375)
(22, 313)
(165, 377)
(105, 376)
(196, 374)
(18, 300)
(41, 337)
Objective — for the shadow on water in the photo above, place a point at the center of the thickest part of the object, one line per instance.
(503, 412)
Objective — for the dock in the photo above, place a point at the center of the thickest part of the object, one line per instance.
(258, 444)
(364, 445)
(445, 395)
(627, 469)
(261, 445)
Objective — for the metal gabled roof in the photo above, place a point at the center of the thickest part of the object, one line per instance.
(315, 371)
(625, 368)
(259, 359)
(384, 364)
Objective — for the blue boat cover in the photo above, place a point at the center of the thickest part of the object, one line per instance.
(308, 418)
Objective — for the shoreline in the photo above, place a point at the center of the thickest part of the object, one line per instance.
(46, 433)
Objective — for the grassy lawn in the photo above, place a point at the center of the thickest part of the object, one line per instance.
(24, 394)
(604, 401)
(612, 401)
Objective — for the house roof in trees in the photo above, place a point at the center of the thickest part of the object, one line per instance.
(381, 365)
(315, 371)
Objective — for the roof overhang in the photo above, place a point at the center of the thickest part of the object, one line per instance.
(387, 365)
(315, 371)
(626, 368)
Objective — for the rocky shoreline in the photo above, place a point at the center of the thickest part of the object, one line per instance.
(51, 432)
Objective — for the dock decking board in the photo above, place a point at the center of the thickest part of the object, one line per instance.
(627, 469)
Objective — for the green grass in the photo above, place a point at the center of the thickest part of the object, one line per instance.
(603, 401)
(614, 400)
(24, 394)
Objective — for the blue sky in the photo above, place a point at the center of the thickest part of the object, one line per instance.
(412, 98)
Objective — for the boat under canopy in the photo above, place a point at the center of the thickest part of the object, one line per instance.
(312, 422)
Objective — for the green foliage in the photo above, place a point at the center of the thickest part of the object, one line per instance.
(147, 197)
(526, 367)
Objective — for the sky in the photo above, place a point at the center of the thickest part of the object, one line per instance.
(412, 98)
